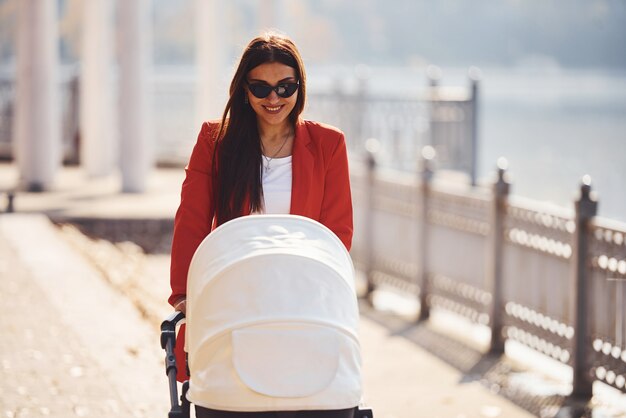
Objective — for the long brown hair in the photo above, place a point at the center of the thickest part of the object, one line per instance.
(237, 161)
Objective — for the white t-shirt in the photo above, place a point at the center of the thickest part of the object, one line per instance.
(276, 178)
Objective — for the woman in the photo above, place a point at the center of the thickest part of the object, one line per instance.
(261, 158)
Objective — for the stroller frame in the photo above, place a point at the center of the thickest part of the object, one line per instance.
(168, 342)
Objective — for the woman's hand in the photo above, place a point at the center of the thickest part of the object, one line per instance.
(181, 306)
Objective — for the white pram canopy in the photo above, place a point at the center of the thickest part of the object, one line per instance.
(272, 318)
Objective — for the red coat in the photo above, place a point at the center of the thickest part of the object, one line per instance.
(320, 190)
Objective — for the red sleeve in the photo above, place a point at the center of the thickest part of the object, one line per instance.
(194, 216)
(336, 211)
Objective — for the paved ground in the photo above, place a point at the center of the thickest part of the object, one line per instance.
(72, 345)
(79, 324)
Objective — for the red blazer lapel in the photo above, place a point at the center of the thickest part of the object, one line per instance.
(302, 161)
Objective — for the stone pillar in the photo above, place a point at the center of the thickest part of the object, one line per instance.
(37, 118)
(274, 15)
(134, 59)
(212, 41)
(98, 130)
(268, 13)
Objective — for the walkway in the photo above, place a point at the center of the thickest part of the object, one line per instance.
(79, 341)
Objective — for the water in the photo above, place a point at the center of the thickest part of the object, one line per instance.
(555, 128)
(552, 125)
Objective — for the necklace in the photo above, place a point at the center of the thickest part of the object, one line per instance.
(266, 165)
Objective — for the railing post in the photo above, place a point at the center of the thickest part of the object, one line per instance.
(433, 73)
(586, 208)
(474, 76)
(362, 74)
(339, 113)
(426, 175)
(10, 202)
(371, 148)
(501, 190)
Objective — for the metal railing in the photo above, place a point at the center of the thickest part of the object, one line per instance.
(442, 117)
(606, 264)
(550, 278)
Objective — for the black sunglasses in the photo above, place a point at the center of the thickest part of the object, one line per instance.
(284, 90)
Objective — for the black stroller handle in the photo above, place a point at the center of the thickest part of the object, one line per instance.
(168, 326)
(364, 413)
(168, 342)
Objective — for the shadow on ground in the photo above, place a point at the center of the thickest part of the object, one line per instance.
(492, 371)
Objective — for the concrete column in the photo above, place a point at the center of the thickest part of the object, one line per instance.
(37, 118)
(212, 40)
(273, 15)
(134, 58)
(266, 12)
(99, 134)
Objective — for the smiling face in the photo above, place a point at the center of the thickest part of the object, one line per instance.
(272, 111)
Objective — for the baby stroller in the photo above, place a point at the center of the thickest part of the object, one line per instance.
(272, 319)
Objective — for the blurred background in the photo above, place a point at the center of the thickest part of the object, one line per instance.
(551, 93)
(97, 97)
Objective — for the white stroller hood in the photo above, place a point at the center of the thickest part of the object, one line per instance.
(272, 318)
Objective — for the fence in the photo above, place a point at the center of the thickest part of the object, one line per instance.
(549, 278)
(442, 117)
